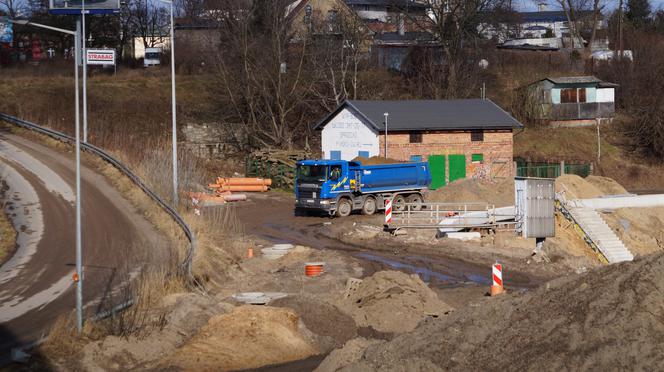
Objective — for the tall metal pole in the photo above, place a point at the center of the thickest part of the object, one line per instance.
(85, 79)
(174, 115)
(79, 260)
(386, 115)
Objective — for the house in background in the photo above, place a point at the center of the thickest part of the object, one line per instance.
(571, 101)
(459, 138)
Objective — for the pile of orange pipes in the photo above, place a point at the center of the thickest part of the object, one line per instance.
(241, 184)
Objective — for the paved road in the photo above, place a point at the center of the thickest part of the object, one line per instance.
(36, 283)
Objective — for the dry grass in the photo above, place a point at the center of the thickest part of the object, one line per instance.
(580, 145)
(64, 344)
(7, 236)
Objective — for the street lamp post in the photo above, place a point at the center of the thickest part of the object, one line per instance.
(85, 75)
(386, 115)
(79, 248)
(173, 109)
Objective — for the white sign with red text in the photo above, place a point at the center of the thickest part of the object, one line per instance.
(101, 56)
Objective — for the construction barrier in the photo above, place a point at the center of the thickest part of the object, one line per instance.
(388, 211)
(497, 275)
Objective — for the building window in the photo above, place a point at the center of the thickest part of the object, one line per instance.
(477, 158)
(573, 95)
(415, 137)
(582, 95)
(477, 136)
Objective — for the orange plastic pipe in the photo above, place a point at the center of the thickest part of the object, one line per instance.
(244, 181)
(258, 188)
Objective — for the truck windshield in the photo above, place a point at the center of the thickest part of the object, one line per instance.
(152, 55)
(311, 173)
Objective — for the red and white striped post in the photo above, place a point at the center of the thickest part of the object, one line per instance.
(497, 274)
(388, 211)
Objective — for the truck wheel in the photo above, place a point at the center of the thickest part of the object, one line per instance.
(399, 203)
(369, 206)
(416, 201)
(344, 207)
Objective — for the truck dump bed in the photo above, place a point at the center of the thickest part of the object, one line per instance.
(392, 177)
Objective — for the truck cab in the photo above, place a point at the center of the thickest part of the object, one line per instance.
(319, 182)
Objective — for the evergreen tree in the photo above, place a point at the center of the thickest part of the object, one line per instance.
(638, 12)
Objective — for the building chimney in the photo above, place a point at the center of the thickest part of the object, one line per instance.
(401, 26)
(541, 7)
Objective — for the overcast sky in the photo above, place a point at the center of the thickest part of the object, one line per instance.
(531, 5)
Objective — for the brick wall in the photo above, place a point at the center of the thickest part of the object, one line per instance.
(497, 149)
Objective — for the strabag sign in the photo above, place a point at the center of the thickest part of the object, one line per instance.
(101, 57)
(6, 31)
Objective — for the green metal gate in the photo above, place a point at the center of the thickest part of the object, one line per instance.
(437, 169)
(457, 167)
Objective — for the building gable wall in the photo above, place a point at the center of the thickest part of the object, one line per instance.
(349, 135)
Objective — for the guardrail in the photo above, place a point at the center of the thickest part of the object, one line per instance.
(430, 215)
(188, 261)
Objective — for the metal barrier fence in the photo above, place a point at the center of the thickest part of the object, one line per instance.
(430, 215)
(188, 261)
(544, 170)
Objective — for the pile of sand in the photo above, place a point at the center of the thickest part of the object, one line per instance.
(351, 352)
(500, 194)
(249, 337)
(608, 319)
(392, 302)
(376, 160)
(576, 187)
(182, 314)
(606, 186)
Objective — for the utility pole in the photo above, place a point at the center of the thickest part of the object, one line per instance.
(599, 142)
(85, 76)
(621, 47)
(386, 115)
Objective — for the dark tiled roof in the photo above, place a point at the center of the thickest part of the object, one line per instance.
(420, 115)
(549, 16)
(574, 80)
(395, 3)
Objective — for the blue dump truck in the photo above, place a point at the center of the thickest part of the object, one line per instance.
(339, 187)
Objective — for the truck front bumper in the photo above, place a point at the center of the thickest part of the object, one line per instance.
(316, 204)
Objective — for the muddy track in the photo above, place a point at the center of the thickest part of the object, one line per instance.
(271, 218)
(35, 284)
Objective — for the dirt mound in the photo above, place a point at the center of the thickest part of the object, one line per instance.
(332, 327)
(606, 185)
(350, 353)
(249, 337)
(641, 229)
(182, 314)
(576, 187)
(376, 160)
(501, 194)
(608, 319)
(391, 301)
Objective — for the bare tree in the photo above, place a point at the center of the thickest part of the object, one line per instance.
(262, 81)
(339, 42)
(454, 25)
(149, 21)
(13, 8)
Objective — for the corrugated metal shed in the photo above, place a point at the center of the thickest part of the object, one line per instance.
(535, 207)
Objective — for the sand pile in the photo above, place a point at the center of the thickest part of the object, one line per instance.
(392, 302)
(606, 186)
(350, 353)
(376, 160)
(608, 319)
(249, 337)
(182, 314)
(576, 187)
(641, 229)
(500, 194)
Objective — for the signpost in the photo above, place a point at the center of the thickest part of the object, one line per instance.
(101, 57)
(6, 30)
(75, 7)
